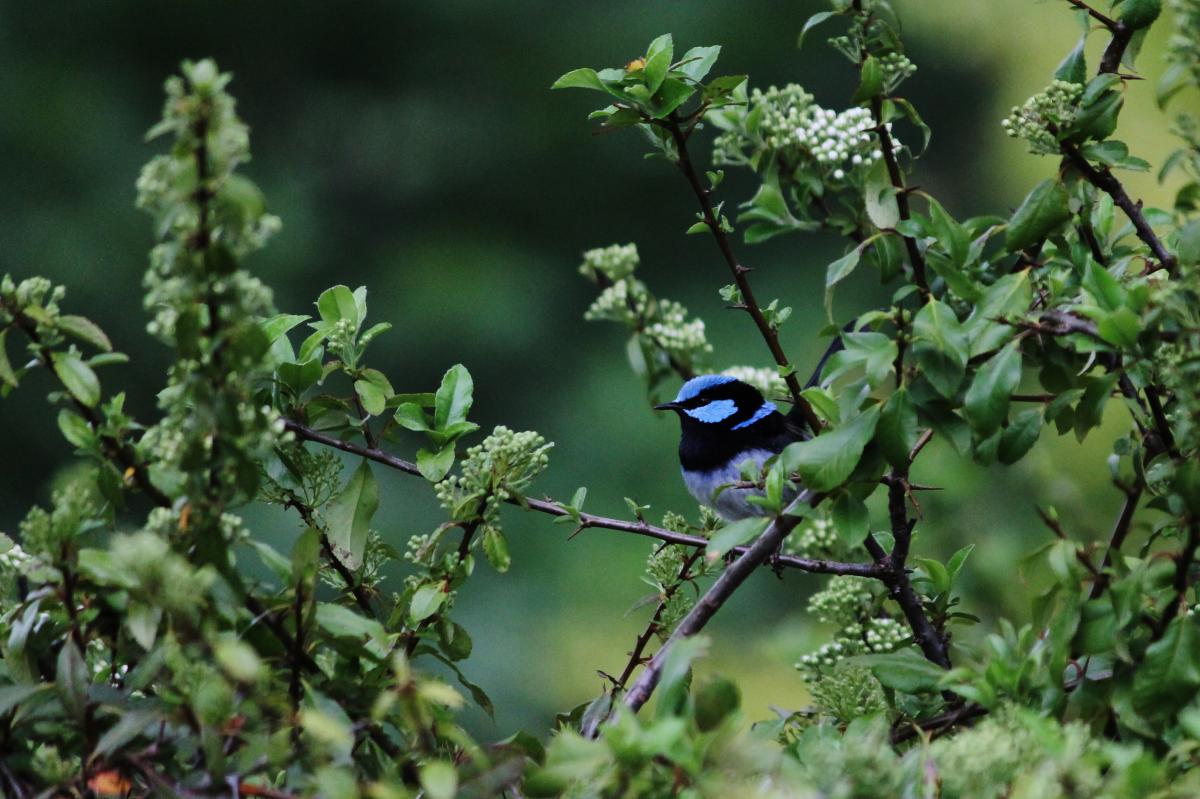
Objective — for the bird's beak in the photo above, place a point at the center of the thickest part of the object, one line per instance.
(667, 406)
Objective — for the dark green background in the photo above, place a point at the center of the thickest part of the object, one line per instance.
(417, 149)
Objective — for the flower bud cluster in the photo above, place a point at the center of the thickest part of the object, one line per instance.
(615, 262)
(497, 469)
(73, 508)
(842, 603)
(662, 324)
(1042, 115)
(802, 135)
(817, 539)
(625, 301)
(848, 692)
(897, 68)
(676, 334)
(766, 380)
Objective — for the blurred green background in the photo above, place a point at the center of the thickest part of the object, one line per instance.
(417, 149)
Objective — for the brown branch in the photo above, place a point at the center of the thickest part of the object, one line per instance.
(1104, 180)
(1183, 565)
(915, 256)
(1107, 21)
(361, 597)
(769, 333)
(714, 599)
(895, 576)
(1122, 35)
(1117, 539)
(588, 520)
(938, 725)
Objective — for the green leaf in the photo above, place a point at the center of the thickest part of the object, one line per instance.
(1010, 296)
(940, 347)
(1170, 672)
(435, 464)
(734, 534)
(341, 621)
(238, 659)
(879, 196)
(697, 62)
(74, 429)
(410, 416)
(1120, 327)
(1073, 68)
(905, 671)
(672, 94)
(658, 61)
(71, 679)
(870, 83)
(812, 22)
(987, 400)
(897, 431)
(851, 519)
(496, 549)
(372, 396)
(338, 303)
(349, 515)
(7, 375)
(582, 78)
(453, 398)
(950, 234)
(277, 326)
(1020, 435)
(83, 329)
(12, 696)
(78, 378)
(1138, 14)
(825, 462)
(142, 620)
(425, 601)
(1043, 210)
(1108, 293)
(715, 701)
(129, 726)
(838, 271)
(439, 779)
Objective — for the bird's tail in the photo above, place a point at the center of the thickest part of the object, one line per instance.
(834, 346)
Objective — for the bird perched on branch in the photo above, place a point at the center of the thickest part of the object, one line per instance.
(726, 423)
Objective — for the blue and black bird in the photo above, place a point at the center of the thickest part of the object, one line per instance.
(725, 423)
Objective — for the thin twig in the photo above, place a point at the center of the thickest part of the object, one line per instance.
(769, 333)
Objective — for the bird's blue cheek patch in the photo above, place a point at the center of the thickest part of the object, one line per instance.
(714, 411)
(766, 410)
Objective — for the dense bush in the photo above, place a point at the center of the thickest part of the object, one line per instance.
(154, 644)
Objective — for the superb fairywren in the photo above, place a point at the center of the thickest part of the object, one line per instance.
(726, 423)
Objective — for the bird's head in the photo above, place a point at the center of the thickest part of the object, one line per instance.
(718, 403)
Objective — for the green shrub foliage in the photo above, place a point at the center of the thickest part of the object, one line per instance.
(154, 644)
